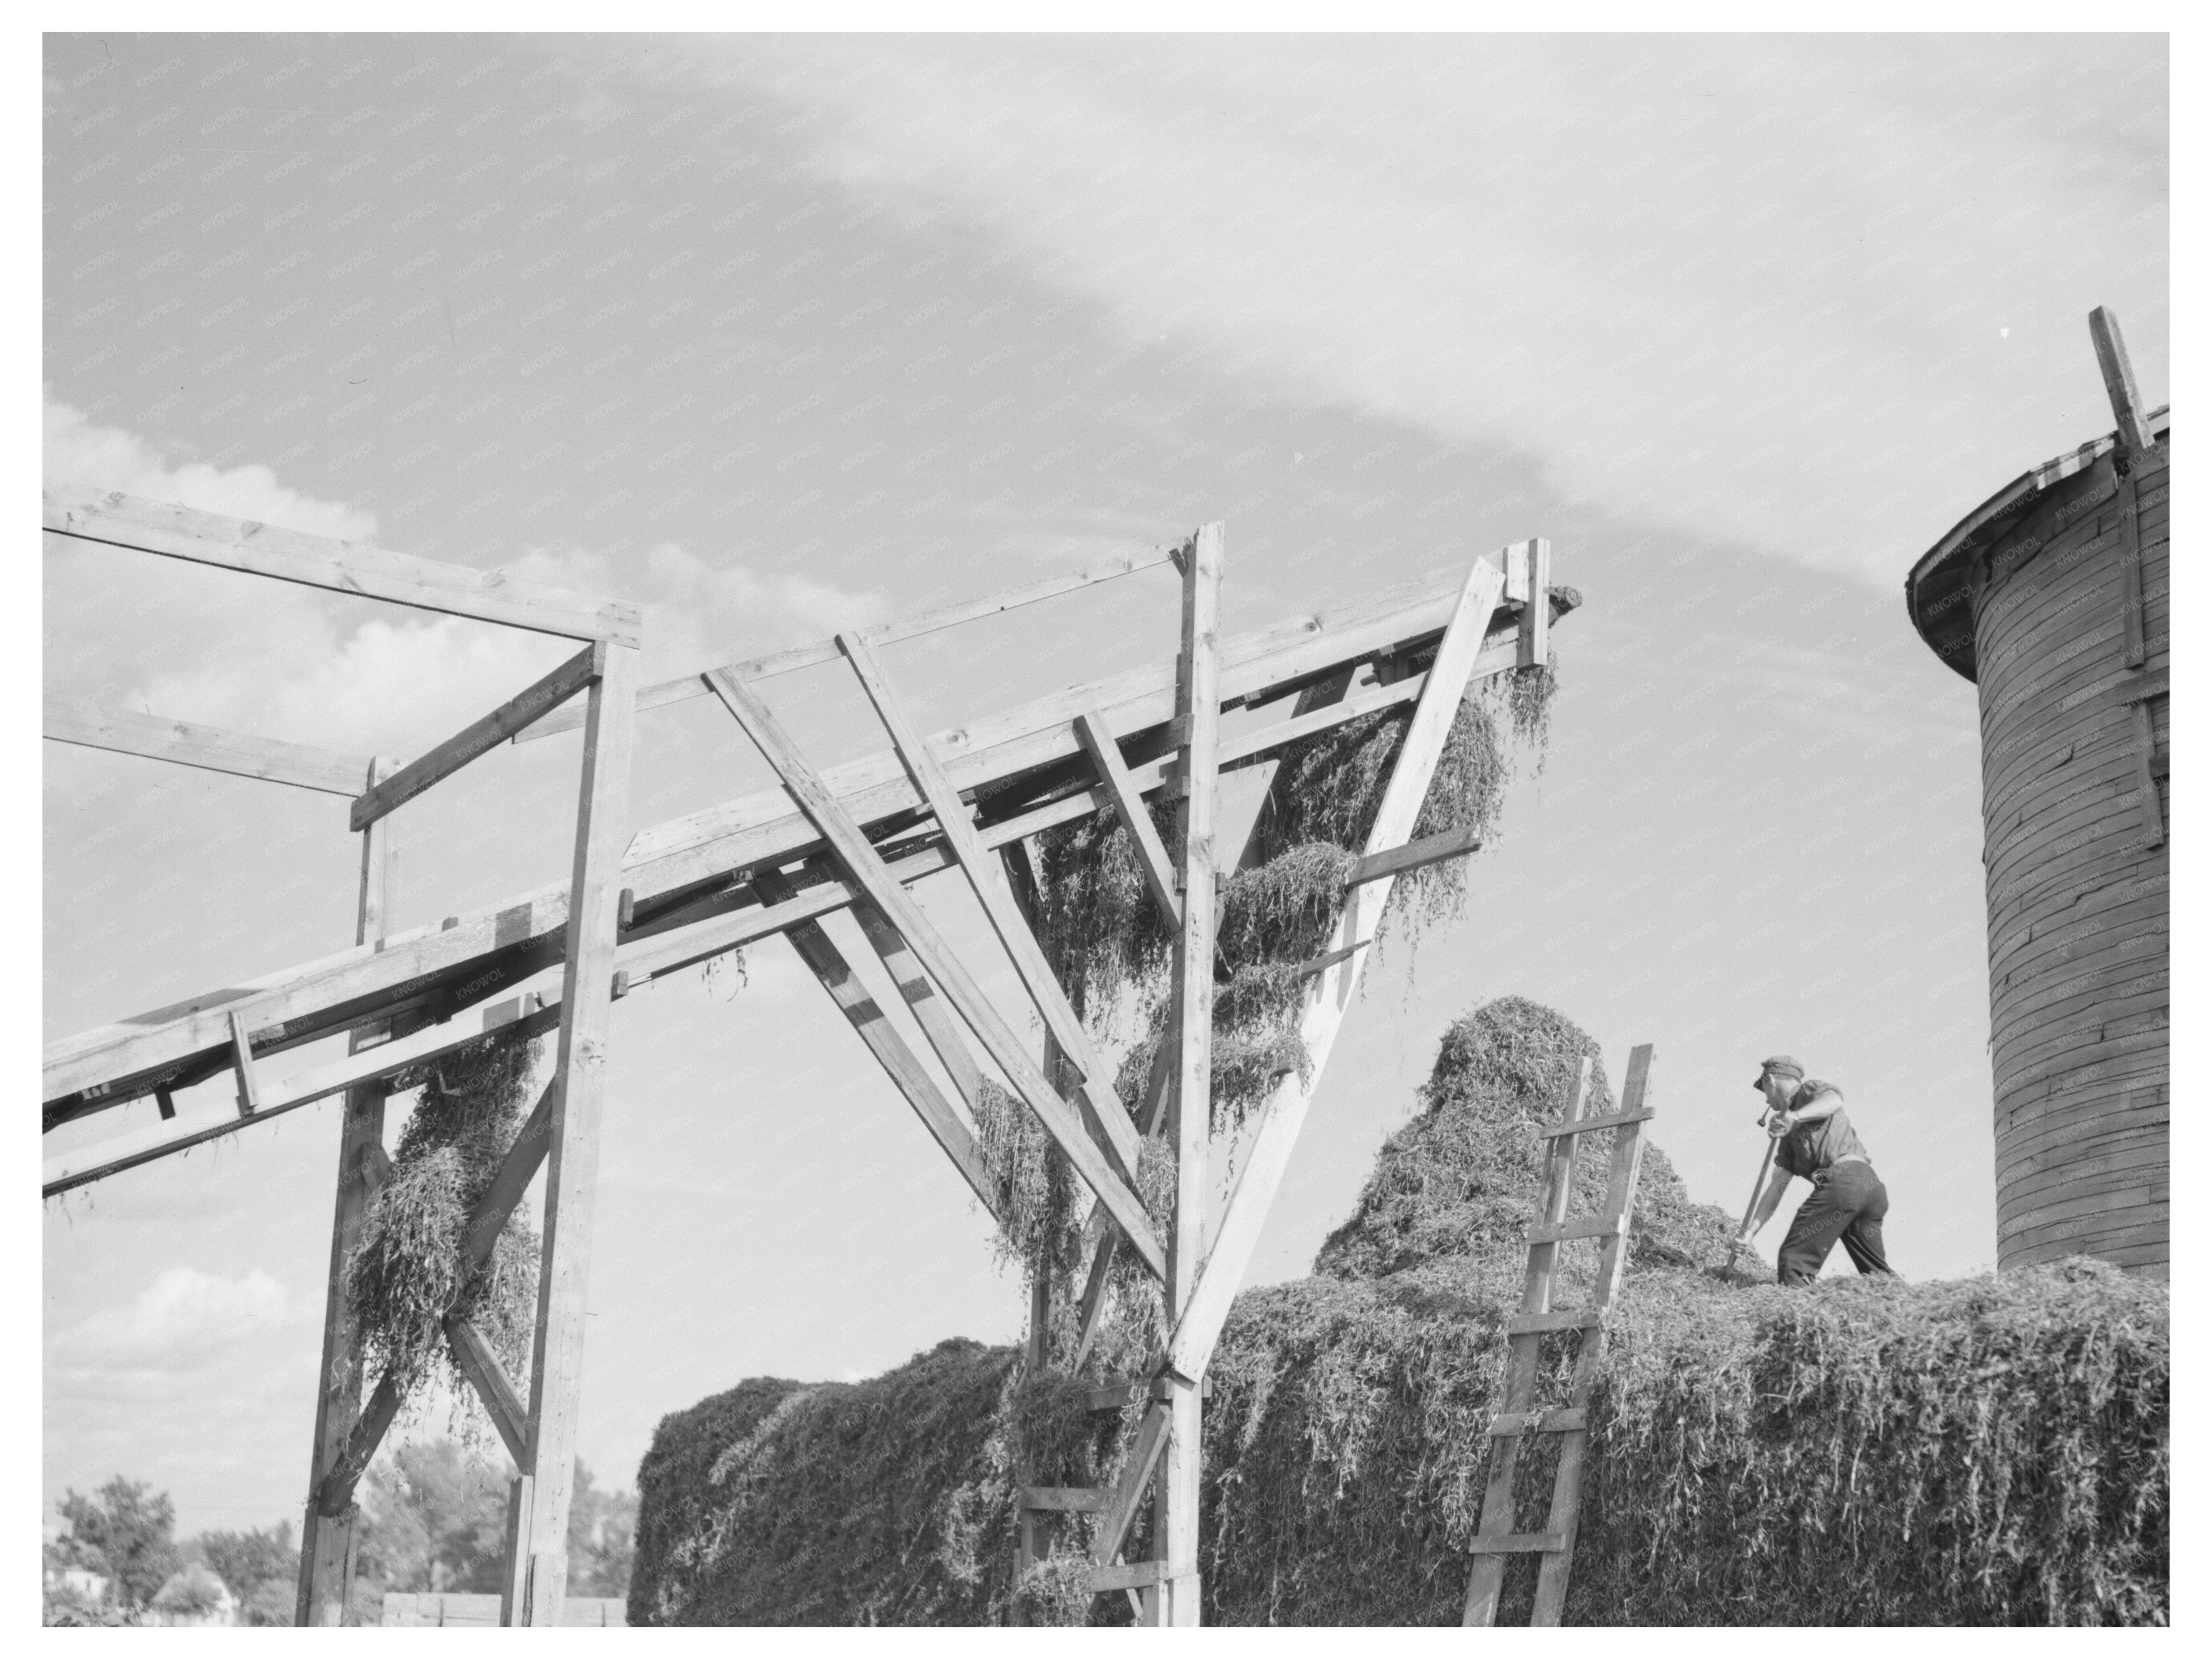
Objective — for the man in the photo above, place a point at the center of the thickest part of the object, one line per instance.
(1814, 1139)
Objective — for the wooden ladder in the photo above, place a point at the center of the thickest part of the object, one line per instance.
(1495, 1538)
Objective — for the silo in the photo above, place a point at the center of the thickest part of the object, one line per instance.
(2052, 598)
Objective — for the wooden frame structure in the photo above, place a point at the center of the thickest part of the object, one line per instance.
(691, 889)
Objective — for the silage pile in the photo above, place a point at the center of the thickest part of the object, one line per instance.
(1990, 1450)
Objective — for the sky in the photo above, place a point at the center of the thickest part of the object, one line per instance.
(773, 335)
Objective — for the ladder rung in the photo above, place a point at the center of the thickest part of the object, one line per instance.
(1589, 1226)
(1517, 1543)
(1130, 1576)
(1590, 1125)
(1550, 1422)
(1580, 1319)
(1081, 1498)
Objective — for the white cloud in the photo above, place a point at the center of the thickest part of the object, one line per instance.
(181, 1317)
(1743, 286)
(109, 458)
(287, 662)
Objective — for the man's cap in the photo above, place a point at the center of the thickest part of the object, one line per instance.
(1779, 1064)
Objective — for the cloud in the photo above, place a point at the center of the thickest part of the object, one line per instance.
(109, 458)
(1749, 287)
(289, 662)
(179, 1319)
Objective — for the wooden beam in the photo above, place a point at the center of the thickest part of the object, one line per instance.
(939, 1025)
(2134, 649)
(483, 735)
(1198, 713)
(828, 965)
(1106, 1118)
(866, 867)
(357, 986)
(1191, 1346)
(2153, 812)
(1120, 1511)
(927, 621)
(2119, 373)
(241, 1054)
(1534, 641)
(355, 567)
(211, 748)
(81, 1166)
(326, 1544)
(571, 1177)
(479, 1235)
(1128, 1575)
(478, 1363)
(1098, 741)
(1412, 855)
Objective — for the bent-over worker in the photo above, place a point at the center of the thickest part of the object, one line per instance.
(1814, 1139)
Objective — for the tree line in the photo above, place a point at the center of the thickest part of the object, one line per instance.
(433, 1517)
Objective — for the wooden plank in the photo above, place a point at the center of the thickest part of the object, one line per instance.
(241, 1058)
(2119, 373)
(2132, 647)
(326, 1544)
(1195, 1333)
(1588, 1226)
(572, 1175)
(336, 1492)
(518, 1168)
(1412, 855)
(937, 1023)
(514, 1564)
(1079, 1500)
(1591, 1125)
(1198, 714)
(1550, 1422)
(928, 622)
(1090, 729)
(211, 748)
(712, 845)
(481, 737)
(2154, 813)
(478, 1363)
(83, 1165)
(1575, 1319)
(1130, 1575)
(1120, 1511)
(828, 965)
(865, 866)
(1106, 1117)
(1516, 1543)
(342, 566)
(1534, 641)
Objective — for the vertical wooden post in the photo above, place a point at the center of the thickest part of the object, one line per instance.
(1198, 703)
(572, 1176)
(327, 1542)
(1534, 641)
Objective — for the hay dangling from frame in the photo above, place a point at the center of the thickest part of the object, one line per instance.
(405, 1277)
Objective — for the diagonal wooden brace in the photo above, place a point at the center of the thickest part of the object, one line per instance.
(865, 866)
(1103, 1115)
(1120, 1511)
(821, 955)
(1097, 740)
(478, 1238)
(1197, 1326)
(473, 1354)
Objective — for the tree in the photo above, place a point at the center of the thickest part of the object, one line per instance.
(433, 1518)
(130, 1527)
(252, 1560)
(602, 1538)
